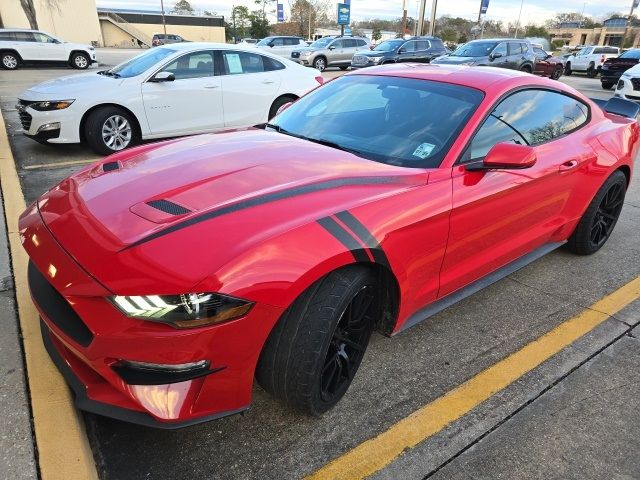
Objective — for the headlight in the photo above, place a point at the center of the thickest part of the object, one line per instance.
(375, 59)
(91, 48)
(183, 311)
(306, 54)
(51, 105)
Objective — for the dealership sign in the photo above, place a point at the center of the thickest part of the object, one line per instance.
(344, 14)
(484, 6)
(280, 12)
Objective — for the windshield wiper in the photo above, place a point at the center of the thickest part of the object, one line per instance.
(109, 73)
(329, 143)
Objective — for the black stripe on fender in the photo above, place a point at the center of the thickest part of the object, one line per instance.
(269, 197)
(365, 236)
(334, 228)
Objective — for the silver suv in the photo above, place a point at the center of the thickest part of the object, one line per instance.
(330, 52)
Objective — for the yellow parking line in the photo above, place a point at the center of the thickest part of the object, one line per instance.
(376, 453)
(63, 448)
(58, 164)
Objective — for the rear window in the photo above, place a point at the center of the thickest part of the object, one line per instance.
(6, 36)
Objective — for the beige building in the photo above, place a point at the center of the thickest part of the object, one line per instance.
(611, 33)
(71, 20)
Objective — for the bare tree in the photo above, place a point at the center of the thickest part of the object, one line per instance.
(30, 11)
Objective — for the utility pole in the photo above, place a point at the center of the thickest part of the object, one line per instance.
(634, 4)
(404, 17)
(515, 35)
(164, 23)
(420, 25)
(432, 21)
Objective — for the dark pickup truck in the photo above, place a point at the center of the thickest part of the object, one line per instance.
(613, 68)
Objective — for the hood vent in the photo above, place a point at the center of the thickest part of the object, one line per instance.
(168, 207)
(110, 166)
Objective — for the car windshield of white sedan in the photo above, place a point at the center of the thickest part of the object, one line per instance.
(140, 63)
(398, 121)
(475, 49)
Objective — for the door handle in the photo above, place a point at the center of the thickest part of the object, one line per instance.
(211, 86)
(570, 165)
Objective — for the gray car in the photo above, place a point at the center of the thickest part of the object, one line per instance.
(330, 52)
(500, 52)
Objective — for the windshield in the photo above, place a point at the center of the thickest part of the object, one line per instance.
(474, 49)
(265, 41)
(321, 43)
(388, 45)
(398, 121)
(635, 54)
(140, 63)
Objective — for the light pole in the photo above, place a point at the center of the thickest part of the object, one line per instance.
(164, 23)
(515, 35)
(432, 21)
(420, 25)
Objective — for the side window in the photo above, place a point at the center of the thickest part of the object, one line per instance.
(178, 38)
(271, 64)
(501, 48)
(192, 65)
(42, 38)
(539, 53)
(24, 36)
(6, 36)
(422, 45)
(290, 41)
(409, 47)
(337, 44)
(515, 48)
(236, 63)
(598, 50)
(525, 47)
(529, 117)
(361, 42)
(277, 42)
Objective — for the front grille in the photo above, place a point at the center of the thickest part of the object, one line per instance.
(360, 60)
(636, 83)
(25, 118)
(295, 54)
(168, 207)
(56, 308)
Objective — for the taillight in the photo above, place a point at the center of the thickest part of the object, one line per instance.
(319, 79)
(603, 59)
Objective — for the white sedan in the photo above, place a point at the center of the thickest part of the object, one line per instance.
(628, 86)
(168, 91)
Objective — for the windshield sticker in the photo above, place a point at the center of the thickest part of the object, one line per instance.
(233, 63)
(424, 150)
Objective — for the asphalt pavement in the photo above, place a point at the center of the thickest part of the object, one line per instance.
(575, 416)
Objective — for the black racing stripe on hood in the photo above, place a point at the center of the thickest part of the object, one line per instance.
(269, 197)
(365, 236)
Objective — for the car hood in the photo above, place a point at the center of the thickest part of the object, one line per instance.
(208, 188)
(372, 53)
(457, 60)
(307, 49)
(69, 86)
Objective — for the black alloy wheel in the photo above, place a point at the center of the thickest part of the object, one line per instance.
(607, 215)
(557, 73)
(347, 347)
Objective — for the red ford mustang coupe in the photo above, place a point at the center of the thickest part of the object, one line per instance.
(171, 275)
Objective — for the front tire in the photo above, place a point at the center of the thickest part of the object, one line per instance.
(315, 349)
(80, 61)
(597, 223)
(320, 64)
(557, 73)
(110, 129)
(10, 61)
(567, 70)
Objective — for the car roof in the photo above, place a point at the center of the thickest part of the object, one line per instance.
(479, 78)
(19, 30)
(499, 40)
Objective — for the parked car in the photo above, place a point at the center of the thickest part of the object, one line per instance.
(250, 41)
(167, 91)
(415, 49)
(589, 60)
(330, 52)
(504, 53)
(169, 38)
(628, 86)
(281, 45)
(19, 46)
(169, 276)
(613, 68)
(547, 65)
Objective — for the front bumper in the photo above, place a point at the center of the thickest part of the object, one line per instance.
(87, 338)
(35, 124)
(625, 89)
(610, 76)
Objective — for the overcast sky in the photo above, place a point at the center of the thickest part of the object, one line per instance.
(536, 11)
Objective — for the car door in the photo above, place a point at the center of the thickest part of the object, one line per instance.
(249, 85)
(192, 103)
(499, 56)
(50, 48)
(278, 47)
(407, 51)
(336, 52)
(542, 66)
(350, 48)
(580, 61)
(422, 51)
(515, 57)
(499, 215)
(26, 45)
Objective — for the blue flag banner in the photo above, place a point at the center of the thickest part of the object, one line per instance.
(280, 9)
(484, 6)
(344, 14)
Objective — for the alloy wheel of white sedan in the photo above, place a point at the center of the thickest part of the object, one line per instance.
(116, 132)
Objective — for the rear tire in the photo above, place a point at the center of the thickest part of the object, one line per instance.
(80, 61)
(277, 104)
(591, 71)
(567, 70)
(9, 60)
(597, 223)
(526, 69)
(607, 85)
(343, 68)
(315, 349)
(111, 129)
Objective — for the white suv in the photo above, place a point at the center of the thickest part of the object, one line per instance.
(589, 60)
(18, 46)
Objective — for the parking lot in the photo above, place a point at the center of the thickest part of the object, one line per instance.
(570, 415)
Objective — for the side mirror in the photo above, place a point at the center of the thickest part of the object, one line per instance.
(402, 50)
(493, 56)
(332, 47)
(163, 77)
(548, 56)
(506, 156)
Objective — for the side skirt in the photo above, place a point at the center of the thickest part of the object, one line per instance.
(455, 297)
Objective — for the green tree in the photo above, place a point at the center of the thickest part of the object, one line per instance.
(376, 34)
(449, 35)
(535, 31)
(183, 7)
(240, 21)
(259, 25)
